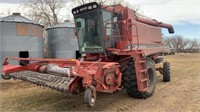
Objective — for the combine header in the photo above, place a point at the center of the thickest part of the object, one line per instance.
(119, 50)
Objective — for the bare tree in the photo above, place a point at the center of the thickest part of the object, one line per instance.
(167, 42)
(1, 14)
(193, 45)
(107, 2)
(181, 44)
(5, 13)
(44, 11)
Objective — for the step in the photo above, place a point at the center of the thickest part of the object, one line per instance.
(140, 52)
(142, 62)
(144, 90)
(145, 79)
(141, 71)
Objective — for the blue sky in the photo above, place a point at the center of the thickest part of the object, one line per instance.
(187, 30)
(184, 15)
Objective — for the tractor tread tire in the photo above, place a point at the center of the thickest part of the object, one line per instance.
(166, 72)
(130, 82)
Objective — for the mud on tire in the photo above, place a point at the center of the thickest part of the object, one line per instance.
(130, 81)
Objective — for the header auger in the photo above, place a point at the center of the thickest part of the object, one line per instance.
(119, 50)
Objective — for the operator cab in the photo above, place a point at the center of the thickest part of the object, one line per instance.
(90, 21)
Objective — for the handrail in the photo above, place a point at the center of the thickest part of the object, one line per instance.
(117, 32)
(136, 35)
(127, 31)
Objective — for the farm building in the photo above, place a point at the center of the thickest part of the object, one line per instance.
(62, 42)
(20, 37)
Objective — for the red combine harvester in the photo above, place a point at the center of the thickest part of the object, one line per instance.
(119, 50)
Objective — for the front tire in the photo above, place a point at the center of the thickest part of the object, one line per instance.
(90, 96)
(130, 80)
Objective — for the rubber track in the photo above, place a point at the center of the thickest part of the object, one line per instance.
(47, 80)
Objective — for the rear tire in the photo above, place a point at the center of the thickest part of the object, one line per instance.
(166, 72)
(130, 81)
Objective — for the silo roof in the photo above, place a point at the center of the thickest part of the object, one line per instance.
(65, 24)
(16, 17)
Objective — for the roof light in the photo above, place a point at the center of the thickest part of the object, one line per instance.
(94, 6)
(89, 7)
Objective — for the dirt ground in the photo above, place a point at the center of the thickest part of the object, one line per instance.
(182, 94)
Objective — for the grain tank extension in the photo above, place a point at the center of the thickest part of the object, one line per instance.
(119, 51)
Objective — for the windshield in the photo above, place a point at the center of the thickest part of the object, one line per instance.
(89, 32)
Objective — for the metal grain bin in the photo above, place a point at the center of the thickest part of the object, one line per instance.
(62, 42)
(20, 37)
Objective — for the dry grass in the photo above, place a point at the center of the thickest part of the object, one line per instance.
(181, 94)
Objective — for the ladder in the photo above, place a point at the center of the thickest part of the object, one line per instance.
(141, 71)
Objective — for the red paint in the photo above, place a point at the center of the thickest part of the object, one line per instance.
(105, 71)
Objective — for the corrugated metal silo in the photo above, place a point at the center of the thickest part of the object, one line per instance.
(61, 41)
(20, 37)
